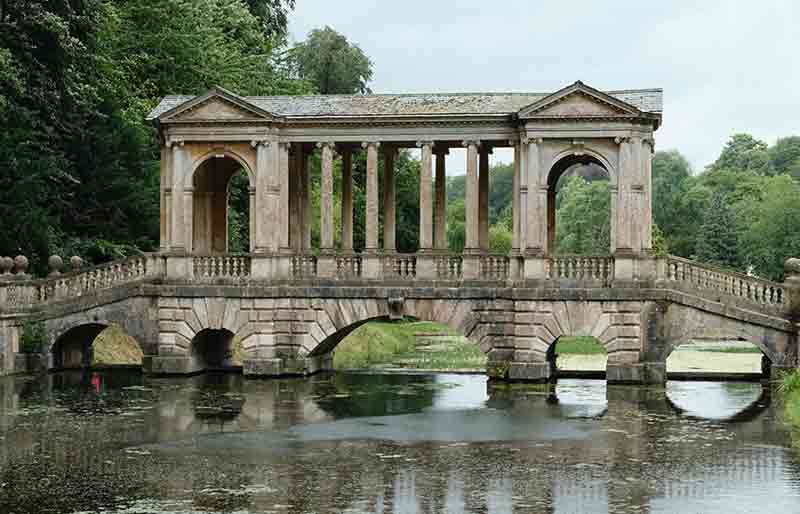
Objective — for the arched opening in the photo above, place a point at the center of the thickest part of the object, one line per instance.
(579, 207)
(721, 359)
(95, 345)
(407, 343)
(577, 357)
(216, 350)
(222, 198)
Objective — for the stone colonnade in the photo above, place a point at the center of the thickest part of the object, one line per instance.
(432, 200)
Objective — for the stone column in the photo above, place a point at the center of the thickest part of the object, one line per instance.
(471, 202)
(326, 198)
(389, 206)
(178, 176)
(305, 177)
(624, 229)
(295, 199)
(483, 198)
(515, 196)
(440, 235)
(371, 263)
(164, 186)
(536, 211)
(471, 264)
(262, 238)
(283, 191)
(347, 200)
(326, 262)
(426, 197)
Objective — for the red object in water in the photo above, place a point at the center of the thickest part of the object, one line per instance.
(96, 382)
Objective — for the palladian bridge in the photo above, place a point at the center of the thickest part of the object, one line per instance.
(291, 304)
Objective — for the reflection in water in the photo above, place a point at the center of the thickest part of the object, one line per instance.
(361, 443)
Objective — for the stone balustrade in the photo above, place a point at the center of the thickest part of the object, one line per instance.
(221, 266)
(449, 267)
(702, 276)
(349, 266)
(22, 292)
(579, 267)
(400, 266)
(18, 291)
(304, 266)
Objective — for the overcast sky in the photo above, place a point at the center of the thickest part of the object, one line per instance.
(725, 66)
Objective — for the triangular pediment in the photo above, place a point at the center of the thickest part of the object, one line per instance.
(578, 101)
(218, 105)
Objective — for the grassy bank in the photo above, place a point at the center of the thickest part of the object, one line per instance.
(407, 344)
(789, 388)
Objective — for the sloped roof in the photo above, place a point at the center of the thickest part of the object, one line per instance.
(646, 100)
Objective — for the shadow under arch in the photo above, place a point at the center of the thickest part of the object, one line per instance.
(749, 412)
(563, 163)
(75, 348)
(212, 349)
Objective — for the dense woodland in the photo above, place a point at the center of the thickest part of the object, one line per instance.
(79, 165)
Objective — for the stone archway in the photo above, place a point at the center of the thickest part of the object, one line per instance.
(210, 185)
(563, 165)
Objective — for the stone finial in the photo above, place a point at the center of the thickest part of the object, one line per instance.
(792, 268)
(56, 263)
(6, 264)
(75, 263)
(20, 265)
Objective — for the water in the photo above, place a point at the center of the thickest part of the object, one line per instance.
(359, 443)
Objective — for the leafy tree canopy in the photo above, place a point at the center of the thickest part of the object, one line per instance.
(333, 64)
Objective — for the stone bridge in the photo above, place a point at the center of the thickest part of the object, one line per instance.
(292, 325)
(290, 303)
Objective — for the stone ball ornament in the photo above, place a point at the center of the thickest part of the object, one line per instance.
(75, 262)
(55, 262)
(6, 264)
(792, 266)
(20, 264)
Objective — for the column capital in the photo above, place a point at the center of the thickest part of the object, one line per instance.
(327, 144)
(423, 143)
(374, 144)
(525, 140)
(471, 142)
(622, 139)
(284, 145)
(174, 143)
(651, 142)
(255, 143)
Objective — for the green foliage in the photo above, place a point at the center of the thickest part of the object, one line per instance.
(239, 213)
(743, 152)
(784, 157)
(333, 64)
(717, 240)
(580, 345)
(583, 218)
(500, 239)
(660, 245)
(33, 338)
(456, 226)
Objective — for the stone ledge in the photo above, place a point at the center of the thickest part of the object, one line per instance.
(636, 373)
(170, 365)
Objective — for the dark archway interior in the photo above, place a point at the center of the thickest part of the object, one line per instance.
(220, 206)
(74, 348)
(586, 166)
(213, 348)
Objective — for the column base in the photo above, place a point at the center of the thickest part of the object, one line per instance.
(534, 267)
(170, 365)
(283, 367)
(637, 373)
(371, 266)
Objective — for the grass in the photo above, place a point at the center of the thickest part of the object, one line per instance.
(789, 389)
(580, 345)
(396, 344)
(114, 346)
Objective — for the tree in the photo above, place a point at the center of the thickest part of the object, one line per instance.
(274, 15)
(768, 226)
(500, 239)
(330, 62)
(583, 218)
(743, 152)
(456, 227)
(784, 156)
(717, 240)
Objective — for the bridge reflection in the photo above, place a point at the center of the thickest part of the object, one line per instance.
(627, 449)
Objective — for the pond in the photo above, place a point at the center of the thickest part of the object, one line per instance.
(389, 443)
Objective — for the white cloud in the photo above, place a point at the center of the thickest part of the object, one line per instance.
(725, 66)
